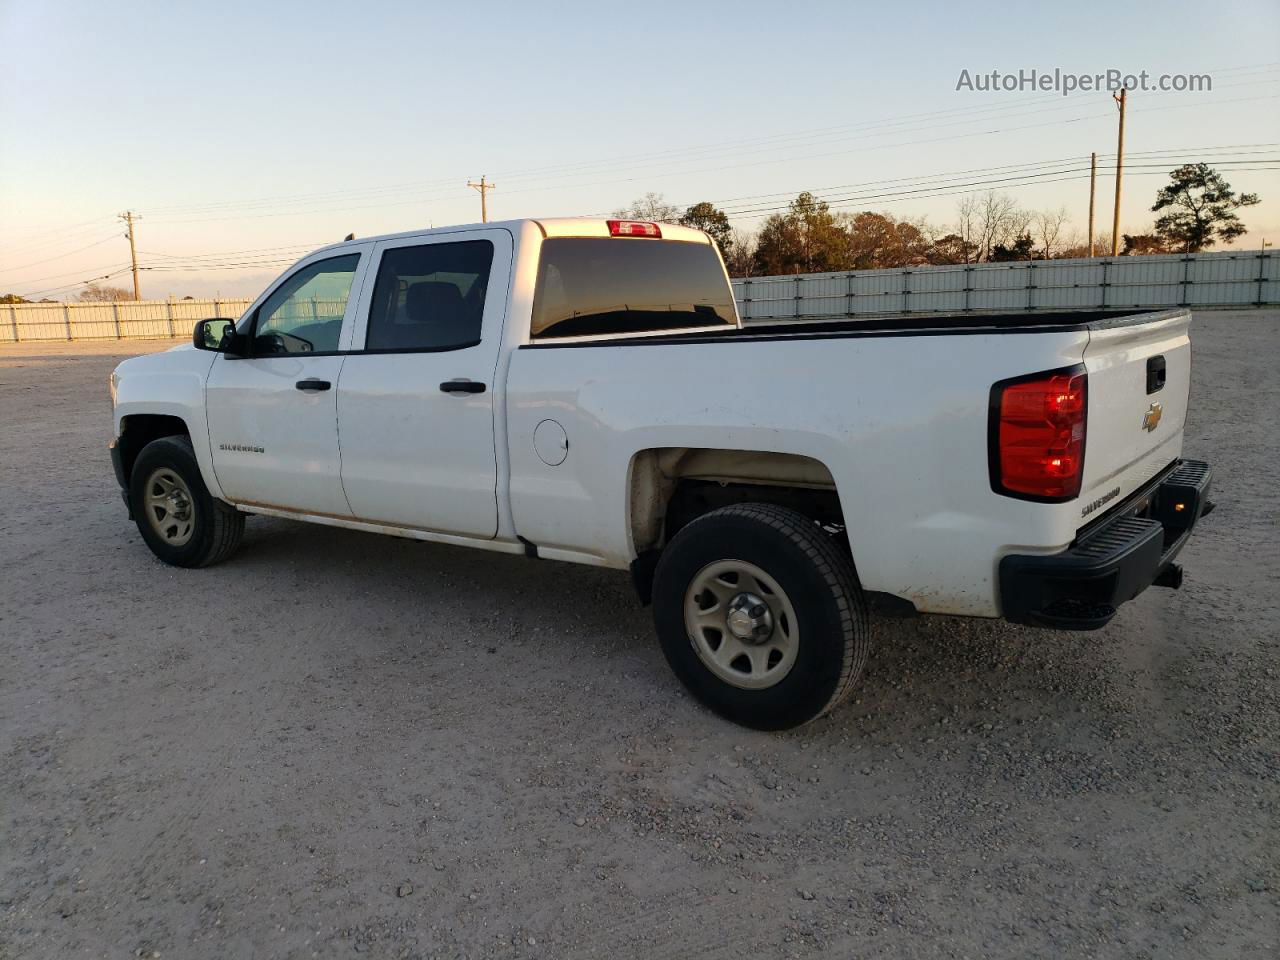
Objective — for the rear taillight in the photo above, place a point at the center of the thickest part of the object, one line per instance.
(1036, 435)
(634, 228)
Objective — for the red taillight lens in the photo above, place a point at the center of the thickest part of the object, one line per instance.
(634, 228)
(1037, 435)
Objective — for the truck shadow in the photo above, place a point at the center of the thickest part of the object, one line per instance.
(929, 679)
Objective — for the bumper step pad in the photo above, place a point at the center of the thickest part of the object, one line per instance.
(1111, 563)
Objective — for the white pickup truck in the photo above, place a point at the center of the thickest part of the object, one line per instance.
(583, 390)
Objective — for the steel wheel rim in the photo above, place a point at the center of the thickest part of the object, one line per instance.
(169, 507)
(718, 619)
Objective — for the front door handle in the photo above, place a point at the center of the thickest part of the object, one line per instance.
(462, 386)
(313, 385)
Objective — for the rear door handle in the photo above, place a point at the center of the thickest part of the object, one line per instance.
(462, 386)
(313, 385)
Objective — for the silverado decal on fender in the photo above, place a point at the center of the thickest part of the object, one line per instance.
(240, 448)
(1105, 498)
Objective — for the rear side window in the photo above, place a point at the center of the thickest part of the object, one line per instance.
(590, 285)
(430, 297)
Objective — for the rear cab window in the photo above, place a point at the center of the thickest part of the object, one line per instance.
(590, 286)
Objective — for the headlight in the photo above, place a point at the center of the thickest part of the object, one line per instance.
(113, 382)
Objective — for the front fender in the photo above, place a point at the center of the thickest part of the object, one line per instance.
(169, 384)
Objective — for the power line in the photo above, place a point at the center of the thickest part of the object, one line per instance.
(61, 231)
(923, 185)
(631, 162)
(1191, 151)
(58, 276)
(790, 140)
(937, 184)
(1055, 176)
(222, 253)
(51, 244)
(931, 190)
(861, 149)
(727, 203)
(204, 267)
(929, 140)
(614, 180)
(72, 286)
(611, 162)
(774, 141)
(36, 263)
(787, 139)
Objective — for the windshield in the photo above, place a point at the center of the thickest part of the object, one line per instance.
(589, 285)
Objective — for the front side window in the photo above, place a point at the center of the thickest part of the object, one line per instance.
(593, 285)
(430, 297)
(304, 314)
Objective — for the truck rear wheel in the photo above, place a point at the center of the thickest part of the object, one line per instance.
(760, 615)
(177, 516)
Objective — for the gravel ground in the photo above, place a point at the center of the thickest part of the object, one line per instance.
(342, 744)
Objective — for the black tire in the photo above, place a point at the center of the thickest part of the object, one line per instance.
(820, 585)
(216, 528)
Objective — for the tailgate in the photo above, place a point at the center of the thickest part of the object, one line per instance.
(1139, 381)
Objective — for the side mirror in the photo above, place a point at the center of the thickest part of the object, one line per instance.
(217, 334)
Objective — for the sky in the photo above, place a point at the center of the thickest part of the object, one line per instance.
(245, 134)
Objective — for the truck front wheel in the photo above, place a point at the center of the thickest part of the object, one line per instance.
(177, 516)
(760, 615)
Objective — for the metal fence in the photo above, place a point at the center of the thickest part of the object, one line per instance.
(137, 319)
(1245, 279)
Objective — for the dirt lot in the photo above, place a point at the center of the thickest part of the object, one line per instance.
(341, 744)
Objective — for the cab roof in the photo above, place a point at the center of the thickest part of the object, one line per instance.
(549, 226)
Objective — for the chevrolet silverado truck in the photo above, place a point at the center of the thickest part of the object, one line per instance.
(583, 390)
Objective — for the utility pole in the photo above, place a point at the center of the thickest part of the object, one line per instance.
(484, 189)
(1093, 190)
(129, 217)
(1115, 217)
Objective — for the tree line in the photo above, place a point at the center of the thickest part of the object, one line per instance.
(1198, 209)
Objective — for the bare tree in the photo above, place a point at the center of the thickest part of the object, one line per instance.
(94, 293)
(652, 207)
(740, 257)
(1049, 225)
(928, 229)
(966, 227)
(1075, 246)
(989, 222)
(1017, 224)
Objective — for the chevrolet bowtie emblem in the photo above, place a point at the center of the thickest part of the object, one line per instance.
(1152, 418)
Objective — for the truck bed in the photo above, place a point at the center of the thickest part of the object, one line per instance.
(899, 415)
(951, 324)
